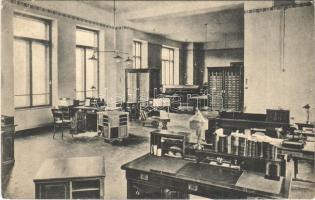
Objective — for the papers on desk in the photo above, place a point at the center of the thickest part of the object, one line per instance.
(162, 102)
(257, 181)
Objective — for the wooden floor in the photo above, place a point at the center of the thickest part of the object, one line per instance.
(31, 151)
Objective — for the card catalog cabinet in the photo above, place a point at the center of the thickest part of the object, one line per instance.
(226, 87)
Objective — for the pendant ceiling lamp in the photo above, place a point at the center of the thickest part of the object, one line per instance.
(117, 53)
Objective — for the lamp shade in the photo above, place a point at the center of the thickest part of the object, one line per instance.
(117, 57)
(197, 121)
(93, 57)
(307, 106)
(128, 61)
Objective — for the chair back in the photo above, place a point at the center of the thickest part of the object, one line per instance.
(66, 112)
(143, 115)
(57, 114)
(76, 102)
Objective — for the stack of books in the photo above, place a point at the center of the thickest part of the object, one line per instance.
(240, 144)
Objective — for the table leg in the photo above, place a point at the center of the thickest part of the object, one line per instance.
(296, 166)
(164, 125)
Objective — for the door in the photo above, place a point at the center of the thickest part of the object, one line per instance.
(138, 84)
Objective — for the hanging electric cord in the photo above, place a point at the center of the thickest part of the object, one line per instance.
(282, 40)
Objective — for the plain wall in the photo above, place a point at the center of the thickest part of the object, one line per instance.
(221, 58)
(275, 79)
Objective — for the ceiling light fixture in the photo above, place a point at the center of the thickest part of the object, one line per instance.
(117, 53)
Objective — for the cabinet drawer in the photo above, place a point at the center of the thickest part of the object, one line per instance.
(53, 190)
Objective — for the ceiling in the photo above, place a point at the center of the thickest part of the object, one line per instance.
(180, 20)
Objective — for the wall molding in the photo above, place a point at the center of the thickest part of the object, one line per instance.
(59, 14)
(261, 10)
(73, 17)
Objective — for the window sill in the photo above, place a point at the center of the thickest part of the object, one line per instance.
(34, 108)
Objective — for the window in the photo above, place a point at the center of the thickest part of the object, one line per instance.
(168, 70)
(137, 54)
(86, 69)
(32, 61)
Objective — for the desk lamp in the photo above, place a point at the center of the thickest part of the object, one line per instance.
(197, 123)
(307, 108)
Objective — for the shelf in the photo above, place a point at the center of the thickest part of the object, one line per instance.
(85, 189)
(228, 155)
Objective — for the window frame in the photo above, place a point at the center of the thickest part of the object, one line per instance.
(30, 41)
(135, 56)
(169, 60)
(85, 48)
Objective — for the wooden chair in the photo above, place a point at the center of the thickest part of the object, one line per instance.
(60, 121)
(149, 121)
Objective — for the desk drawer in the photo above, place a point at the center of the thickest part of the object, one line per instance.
(143, 176)
(213, 192)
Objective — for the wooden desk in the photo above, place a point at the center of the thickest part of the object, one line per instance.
(165, 177)
(307, 153)
(71, 178)
(89, 119)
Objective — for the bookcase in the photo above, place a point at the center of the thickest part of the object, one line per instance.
(168, 142)
(7, 148)
(226, 87)
(112, 125)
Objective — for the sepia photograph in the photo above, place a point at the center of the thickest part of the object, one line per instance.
(157, 99)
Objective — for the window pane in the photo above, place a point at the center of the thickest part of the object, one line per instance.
(132, 87)
(163, 72)
(91, 75)
(138, 62)
(171, 73)
(40, 74)
(138, 49)
(165, 54)
(86, 38)
(134, 63)
(167, 75)
(29, 27)
(80, 74)
(144, 79)
(171, 54)
(21, 74)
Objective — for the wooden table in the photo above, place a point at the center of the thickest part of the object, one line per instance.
(71, 178)
(165, 177)
(199, 100)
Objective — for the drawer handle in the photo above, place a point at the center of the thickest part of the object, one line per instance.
(144, 177)
(193, 187)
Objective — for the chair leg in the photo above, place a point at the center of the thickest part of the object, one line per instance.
(71, 131)
(54, 131)
(62, 131)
